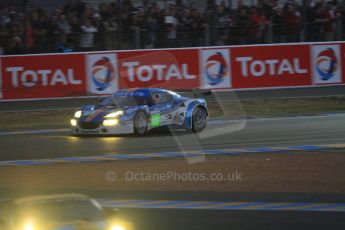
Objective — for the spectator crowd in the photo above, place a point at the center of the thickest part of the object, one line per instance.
(77, 26)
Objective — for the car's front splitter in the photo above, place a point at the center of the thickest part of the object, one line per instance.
(103, 130)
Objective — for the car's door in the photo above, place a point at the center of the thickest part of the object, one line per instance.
(161, 109)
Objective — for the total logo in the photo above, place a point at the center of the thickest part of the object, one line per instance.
(326, 61)
(102, 70)
(136, 71)
(103, 73)
(21, 77)
(216, 68)
(327, 64)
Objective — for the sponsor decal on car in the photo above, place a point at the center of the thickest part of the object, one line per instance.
(155, 120)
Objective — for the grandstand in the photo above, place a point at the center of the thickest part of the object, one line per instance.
(37, 26)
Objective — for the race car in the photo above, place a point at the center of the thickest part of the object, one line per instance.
(140, 110)
(59, 212)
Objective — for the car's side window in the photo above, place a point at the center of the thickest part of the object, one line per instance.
(159, 98)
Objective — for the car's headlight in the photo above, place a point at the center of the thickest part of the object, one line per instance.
(117, 227)
(114, 114)
(73, 122)
(110, 122)
(77, 114)
(28, 226)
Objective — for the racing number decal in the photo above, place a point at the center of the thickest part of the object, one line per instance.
(155, 120)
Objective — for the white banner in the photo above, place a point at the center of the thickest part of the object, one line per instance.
(102, 73)
(215, 69)
(326, 62)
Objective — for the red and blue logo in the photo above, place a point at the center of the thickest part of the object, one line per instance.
(103, 73)
(326, 64)
(216, 69)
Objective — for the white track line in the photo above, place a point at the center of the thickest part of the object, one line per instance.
(276, 118)
(34, 132)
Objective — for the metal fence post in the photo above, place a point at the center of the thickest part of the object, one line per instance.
(119, 13)
(338, 30)
(207, 35)
(269, 33)
(136, 37)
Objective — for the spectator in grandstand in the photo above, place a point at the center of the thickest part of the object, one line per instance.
(241, 6)
(319, 22)
(54, 32)
(171, 27)
(127, 30)
(258, 26)
(64, 27)
(312, 29)
(242, 23)
(223, 22)
(293, 23)
(152, 28)
(16, 46)
(110, 33)
(40, 25)
(278, 25)
(330, 16)
(341, 16)
(265, 8)
(87, 36)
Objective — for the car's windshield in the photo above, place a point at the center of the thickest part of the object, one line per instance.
(121, 101)
(58, 211)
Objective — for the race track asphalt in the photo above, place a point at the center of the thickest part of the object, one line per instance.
(201, 219)
(252, 133)
(267, 132)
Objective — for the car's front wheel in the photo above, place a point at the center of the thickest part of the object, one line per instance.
(199, 119)
(140, 123)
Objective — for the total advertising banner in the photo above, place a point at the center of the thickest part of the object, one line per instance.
(342, 56)
(173, 69)
(43, 76)
(270, 66)
(327, 64)
(215, 68)
(102, 73)
(241, 67)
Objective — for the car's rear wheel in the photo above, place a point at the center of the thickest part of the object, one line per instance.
(199, 119)
(140, 123)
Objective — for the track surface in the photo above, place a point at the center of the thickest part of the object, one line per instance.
(256, 133)
(268, 132)
(230, 95)
(152, 219)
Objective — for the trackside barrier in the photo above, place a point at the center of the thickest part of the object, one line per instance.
(232, 67)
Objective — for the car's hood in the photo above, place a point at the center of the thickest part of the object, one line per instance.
(96, 113)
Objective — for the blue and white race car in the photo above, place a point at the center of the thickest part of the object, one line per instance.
(138, 111)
